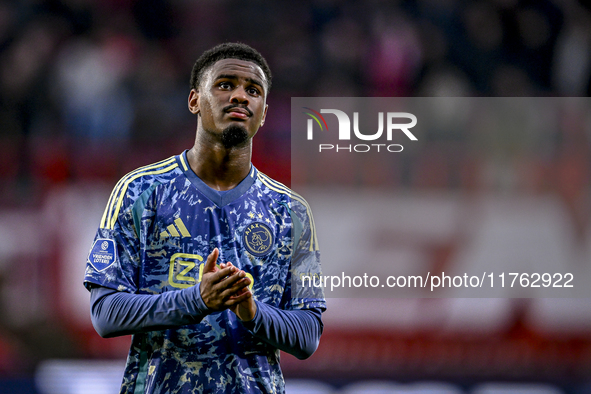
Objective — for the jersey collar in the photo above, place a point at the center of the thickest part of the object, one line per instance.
(213, 195)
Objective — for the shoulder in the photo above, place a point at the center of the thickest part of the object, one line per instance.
(279, 192)
(299, 208)
(131, 186)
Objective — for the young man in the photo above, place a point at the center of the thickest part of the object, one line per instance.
(200, 256)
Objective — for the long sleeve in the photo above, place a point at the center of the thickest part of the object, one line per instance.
(296, 332)
(116, 313)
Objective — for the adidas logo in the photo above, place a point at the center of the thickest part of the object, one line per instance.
(176, 231)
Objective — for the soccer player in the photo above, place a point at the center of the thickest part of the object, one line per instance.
(200, 256)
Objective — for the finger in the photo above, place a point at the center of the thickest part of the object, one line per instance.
(244, 282)
(237, 288)
(238, 299)
(247, 280)
(221, 274)
(211, 259)
(245, 289)
(235, 279)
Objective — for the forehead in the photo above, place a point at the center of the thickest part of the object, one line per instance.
(239, 68)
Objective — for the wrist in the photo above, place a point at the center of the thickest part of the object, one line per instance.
(255, 317)
(198, 302)
(250, 313)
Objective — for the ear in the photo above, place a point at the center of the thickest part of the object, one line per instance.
(194, 102)
(264, 115)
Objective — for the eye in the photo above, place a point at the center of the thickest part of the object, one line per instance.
(253, 91)
(225, 85)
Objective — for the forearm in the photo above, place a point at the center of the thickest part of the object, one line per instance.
(296, 332)
(116, 313)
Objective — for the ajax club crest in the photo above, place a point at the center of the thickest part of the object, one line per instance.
(258, 239)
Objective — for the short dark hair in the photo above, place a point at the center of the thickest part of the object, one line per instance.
(228, 50)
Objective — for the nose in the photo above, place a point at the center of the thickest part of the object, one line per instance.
(239, 96)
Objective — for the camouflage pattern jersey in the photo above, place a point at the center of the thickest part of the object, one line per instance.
(159, 226)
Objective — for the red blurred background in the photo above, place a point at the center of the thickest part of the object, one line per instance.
(93, 89)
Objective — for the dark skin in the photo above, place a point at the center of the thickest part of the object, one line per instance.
(231, 92)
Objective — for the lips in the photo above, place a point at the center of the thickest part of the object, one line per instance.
(239, 112)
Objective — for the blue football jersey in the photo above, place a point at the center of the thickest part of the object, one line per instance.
(159, 226)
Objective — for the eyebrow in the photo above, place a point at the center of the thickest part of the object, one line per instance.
(231, 76)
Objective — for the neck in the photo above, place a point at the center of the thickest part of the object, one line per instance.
(219, 167)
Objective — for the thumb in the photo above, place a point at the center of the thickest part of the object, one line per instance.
(211, 259)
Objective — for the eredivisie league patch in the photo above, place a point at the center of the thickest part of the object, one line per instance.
(258, 239)
(102, 254)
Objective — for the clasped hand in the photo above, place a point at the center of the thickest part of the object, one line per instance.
(226, 287)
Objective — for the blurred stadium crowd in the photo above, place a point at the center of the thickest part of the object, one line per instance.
(82, 81)
(91, 89)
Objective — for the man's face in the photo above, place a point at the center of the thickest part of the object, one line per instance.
(231, 100)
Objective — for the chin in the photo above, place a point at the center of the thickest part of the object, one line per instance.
(235, 136)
